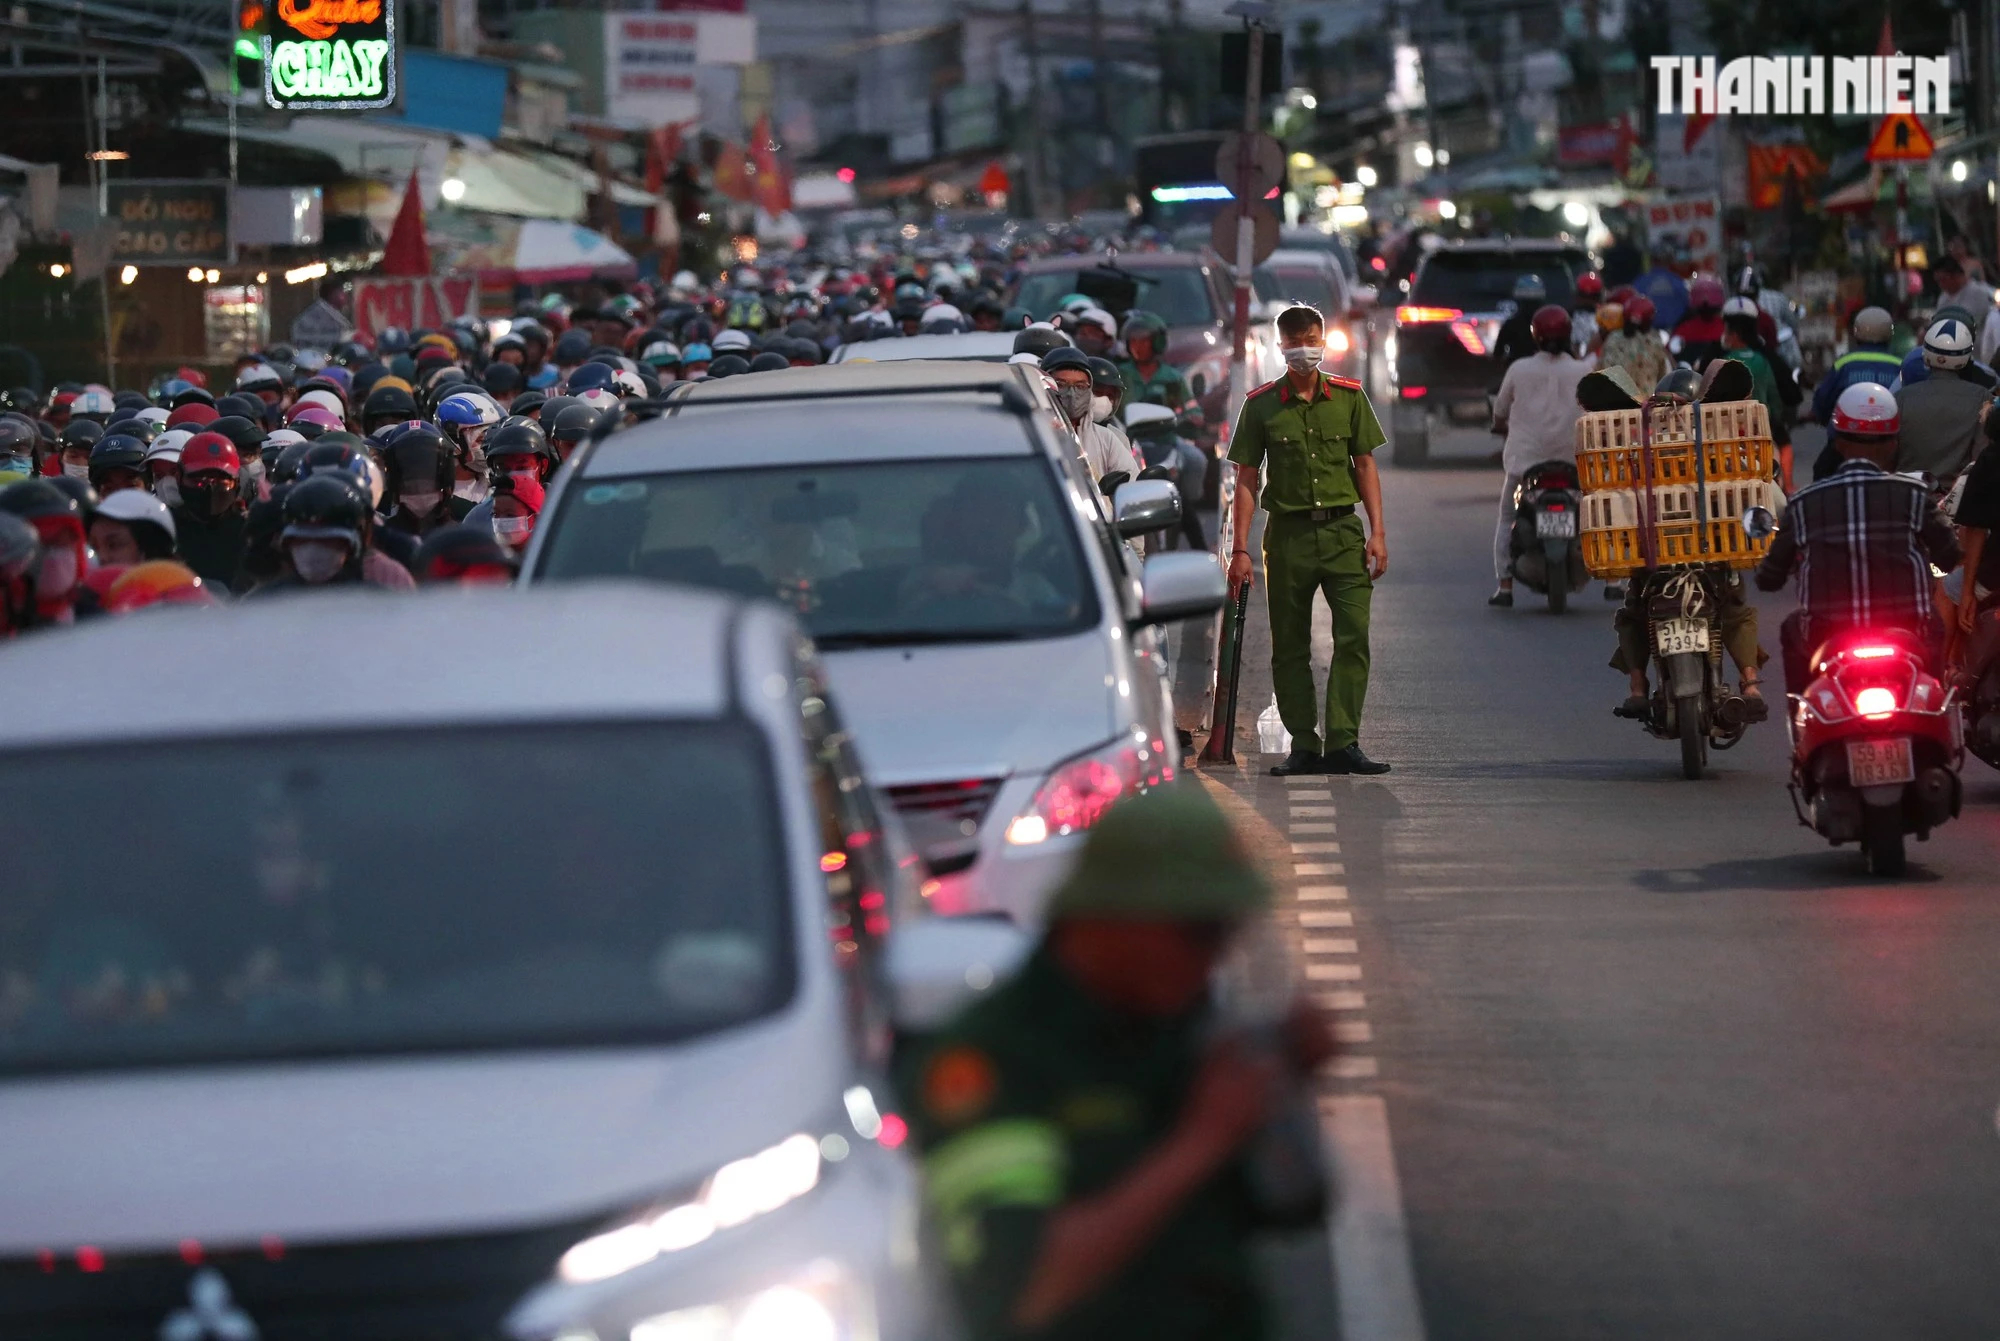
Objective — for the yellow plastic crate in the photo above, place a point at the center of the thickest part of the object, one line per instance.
(1610, 527)
(1736, 445)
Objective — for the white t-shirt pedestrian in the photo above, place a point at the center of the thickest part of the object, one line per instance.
(1537, 402)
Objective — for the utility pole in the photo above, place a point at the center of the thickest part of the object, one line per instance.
(1100, 86)
(1038, 185)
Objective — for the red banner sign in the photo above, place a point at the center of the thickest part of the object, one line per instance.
(410, 303)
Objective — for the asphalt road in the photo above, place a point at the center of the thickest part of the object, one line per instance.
(1649, 1059)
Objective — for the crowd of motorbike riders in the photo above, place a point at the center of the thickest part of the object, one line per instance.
(425, 456)
(1872, 558)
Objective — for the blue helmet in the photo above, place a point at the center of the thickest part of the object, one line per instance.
(590, 377)
(392, 340)
(697, 353)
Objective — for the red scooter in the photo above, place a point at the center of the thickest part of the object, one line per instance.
(1877, 742)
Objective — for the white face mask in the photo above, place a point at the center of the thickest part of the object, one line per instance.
(59, 572)
(513, 531)
(421, 504)
(318, 560)
(1100, 409)
(76, 472)
(471, 490)
(168, 490)
(1302, 357)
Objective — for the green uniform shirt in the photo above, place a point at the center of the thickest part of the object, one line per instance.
(1167, 386)
(1038, 1096)
(1307, 448)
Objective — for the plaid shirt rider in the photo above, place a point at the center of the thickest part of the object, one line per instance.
(1863, 541)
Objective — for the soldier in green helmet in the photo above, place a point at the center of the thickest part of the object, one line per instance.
(1082, 1134)
(1305, 444)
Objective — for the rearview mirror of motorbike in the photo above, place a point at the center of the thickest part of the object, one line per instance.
(1759, 523)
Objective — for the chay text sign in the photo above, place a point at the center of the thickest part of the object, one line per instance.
(331, 54)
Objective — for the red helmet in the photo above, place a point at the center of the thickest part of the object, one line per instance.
(1706, 295)
(1623, 293)
(1549, 325)
(1589, 285)
(192, 413)
(210, 451)
(1638, 310)
(1866, 410)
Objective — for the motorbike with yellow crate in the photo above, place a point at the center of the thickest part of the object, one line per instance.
(1667, 483)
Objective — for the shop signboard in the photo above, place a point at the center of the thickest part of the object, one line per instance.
(330, 54)
(178, 223)
(650, 61)
(1687, 229)
(430, 301)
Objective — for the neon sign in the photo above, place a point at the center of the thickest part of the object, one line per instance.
(331, 54)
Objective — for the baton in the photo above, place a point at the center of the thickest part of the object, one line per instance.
(1221, 745)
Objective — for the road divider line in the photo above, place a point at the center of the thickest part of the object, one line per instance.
(1313, 893)
(1333, 973)
(1315, 827)
(1329, 945)
(1341, 999)
(1333, 919)
(1305, 868)
(1303, 780)
(1299, 811)
(1371, 1239)
(1308, 849)
(1354, 1031)
(1354, 1068)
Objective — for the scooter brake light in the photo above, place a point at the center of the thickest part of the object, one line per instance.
(1870, 653)
(1875, 701)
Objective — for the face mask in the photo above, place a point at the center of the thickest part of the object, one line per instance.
(421, 504)
(470, 490)
(1073, 401)
(514, 530)
(76, 472)
(168, 490)
(23, 465)
(318, 560)
(1304, 357)
(253, 471)
(59, 572)
(1100, 409)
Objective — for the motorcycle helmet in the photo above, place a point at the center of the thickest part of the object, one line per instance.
(1550, 327)
(1873, 325)
(1948, 344)
(1529, 289)
(1739, 306)
(1705, 297)
(326, 506)
(121, 453)
(1040, 340)
(1639, 311)
(464, 554)
(770, 361)
(1589, 285)
(151, 521)
(1866, 410)
(1681, 384)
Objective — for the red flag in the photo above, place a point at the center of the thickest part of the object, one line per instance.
(663, 146)
(732, 172)
(407, 252)
(774, 193)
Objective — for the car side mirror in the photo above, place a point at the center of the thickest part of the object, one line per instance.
(1759, 523)
(1144, 506)
(1181, 585)
(1112, 480)
(937, 966)
(1199, 384)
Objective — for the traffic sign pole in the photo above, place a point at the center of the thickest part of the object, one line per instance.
(1221, 745)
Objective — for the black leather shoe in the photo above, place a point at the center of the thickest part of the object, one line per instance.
(1351, 760)
(1638, 708)
(1297, 762)
(1504, 598)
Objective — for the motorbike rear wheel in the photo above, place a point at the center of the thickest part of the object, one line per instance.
(1558, 593)
(1694, 745)
(1882, 840)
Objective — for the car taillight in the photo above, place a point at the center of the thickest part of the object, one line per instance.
(1414, 392)
(1337, 341)
(1410, 315)
(1875, 701)
(1468, 335)
(1078, 791)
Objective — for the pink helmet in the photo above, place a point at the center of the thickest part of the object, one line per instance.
(316, 414)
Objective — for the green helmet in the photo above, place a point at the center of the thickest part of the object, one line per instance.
(1169, 855)
(1141, 322)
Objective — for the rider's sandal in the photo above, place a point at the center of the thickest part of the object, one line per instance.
(1755, 709)
(1638, 707)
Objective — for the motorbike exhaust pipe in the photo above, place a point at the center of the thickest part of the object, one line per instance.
(1936, 795)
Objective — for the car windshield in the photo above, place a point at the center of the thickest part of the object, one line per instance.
(1295, 284)
(866, 552)
(1480, 281)
(517, 886)
(1177, 294)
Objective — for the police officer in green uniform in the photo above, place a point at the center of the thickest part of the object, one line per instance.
(1082, 1132)
(1314, 435)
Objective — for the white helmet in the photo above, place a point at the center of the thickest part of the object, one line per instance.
(167, 447)
(1866, 410)
(153, 414)
(628, 384)
(323, 398)
(1948, 344)
(599, 399)
(137, 505)
(1740, 306)
(729, 340)
(1098, 317)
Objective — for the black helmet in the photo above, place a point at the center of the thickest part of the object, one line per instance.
(79, 492)
(1067, 357)
(117, 451)
(418, 457)
(18, 436)
(548, 411)
(768, 361)
(573, 425)
(80, 433)
(326, 506)
(1039, 340)
(518, 437)
(529, 403)
(145, 430)
(290, 461)
(38, 498)
(241, 403)
(388, 402)
(245, 435)
(1683, 384)
(1103, 372)
(728, 365)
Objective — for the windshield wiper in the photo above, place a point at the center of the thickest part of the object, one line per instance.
(913, 637)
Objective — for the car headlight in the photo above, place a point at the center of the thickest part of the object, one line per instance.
(819, 1304)
(739, 1191)
(1078, 791)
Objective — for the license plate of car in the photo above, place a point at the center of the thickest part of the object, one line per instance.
(1555, 525)
(1682, 635)
(1880, 763)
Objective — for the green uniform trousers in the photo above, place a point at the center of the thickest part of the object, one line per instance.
(1301, 559)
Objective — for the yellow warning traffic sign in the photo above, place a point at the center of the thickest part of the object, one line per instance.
(1901, 138)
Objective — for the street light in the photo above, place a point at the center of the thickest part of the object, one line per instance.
(1447, 210)
(128, 274)
(1365, 175)
(452, 189)
(1422, 153)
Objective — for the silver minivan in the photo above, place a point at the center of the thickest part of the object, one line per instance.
(995, 644)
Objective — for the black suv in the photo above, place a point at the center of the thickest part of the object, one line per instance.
(1445, 328)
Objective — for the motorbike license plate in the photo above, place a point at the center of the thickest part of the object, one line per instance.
(1555, 525)
(1880, 763)
(1683, 635)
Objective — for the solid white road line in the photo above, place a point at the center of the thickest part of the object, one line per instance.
(1303, 780)
(1371, 1241)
